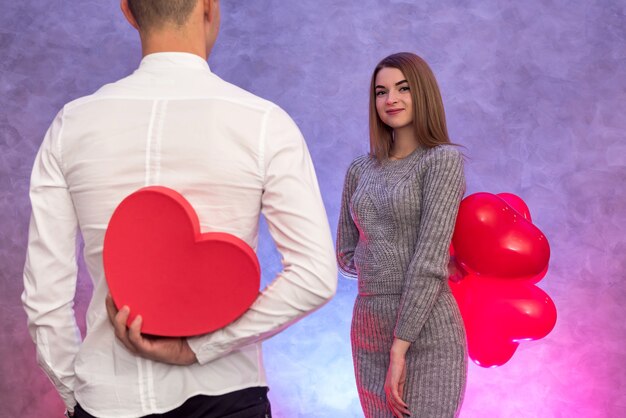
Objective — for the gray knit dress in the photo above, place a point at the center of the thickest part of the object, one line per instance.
(394, 233)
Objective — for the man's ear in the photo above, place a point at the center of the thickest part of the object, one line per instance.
(209, 10)
(128, 14)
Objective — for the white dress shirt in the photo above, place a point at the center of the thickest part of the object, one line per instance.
(233, 156)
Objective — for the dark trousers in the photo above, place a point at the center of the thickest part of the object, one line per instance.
(245, 403)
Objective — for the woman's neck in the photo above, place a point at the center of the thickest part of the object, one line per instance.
(404, 142)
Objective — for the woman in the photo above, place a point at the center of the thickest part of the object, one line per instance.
(398, 212)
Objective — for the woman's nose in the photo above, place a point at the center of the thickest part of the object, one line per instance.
(391, 99)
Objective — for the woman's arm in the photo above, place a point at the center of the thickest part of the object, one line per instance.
(347, 232)
(442, 189)
(396, 377)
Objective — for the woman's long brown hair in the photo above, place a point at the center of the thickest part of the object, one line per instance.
(429, 117)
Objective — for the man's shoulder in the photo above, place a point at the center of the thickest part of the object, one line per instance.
(108, 90)
(232, 92)
(210, 87)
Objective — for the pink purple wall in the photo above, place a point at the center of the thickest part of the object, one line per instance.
(536, 91)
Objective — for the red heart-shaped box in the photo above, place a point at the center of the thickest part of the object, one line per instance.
(181, 281)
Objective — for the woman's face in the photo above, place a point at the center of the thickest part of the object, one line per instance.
(393, 98)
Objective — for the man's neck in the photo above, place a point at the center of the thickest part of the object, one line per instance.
(173, 41)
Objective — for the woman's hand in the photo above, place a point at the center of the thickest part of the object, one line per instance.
(455, 271)
(396, 377)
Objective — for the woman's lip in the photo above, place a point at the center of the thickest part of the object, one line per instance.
(394, 111)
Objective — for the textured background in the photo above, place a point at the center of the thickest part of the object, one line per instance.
(535, 90)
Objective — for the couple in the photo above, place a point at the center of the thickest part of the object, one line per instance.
(234, 156)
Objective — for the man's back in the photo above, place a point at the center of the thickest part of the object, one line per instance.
(171, 123)
(232, 155)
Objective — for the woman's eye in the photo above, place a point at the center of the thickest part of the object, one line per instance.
(380, 92)
(405, 88)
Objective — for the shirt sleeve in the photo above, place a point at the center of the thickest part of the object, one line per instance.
(50, 271)
(292, 205)
(347, 232)
(443, 188)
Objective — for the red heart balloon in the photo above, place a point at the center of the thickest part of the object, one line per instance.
(516, 203)
(181, 281)
(493, 239)
(498, 314)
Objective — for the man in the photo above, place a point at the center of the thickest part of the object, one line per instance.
(233, 156)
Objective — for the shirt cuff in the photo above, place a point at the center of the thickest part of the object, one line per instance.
(69, 401)
(204, 350)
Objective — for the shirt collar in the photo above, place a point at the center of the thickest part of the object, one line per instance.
(173, 60)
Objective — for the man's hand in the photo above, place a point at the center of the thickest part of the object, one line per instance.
(163, 349)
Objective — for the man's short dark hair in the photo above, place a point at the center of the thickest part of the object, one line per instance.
(154, 14)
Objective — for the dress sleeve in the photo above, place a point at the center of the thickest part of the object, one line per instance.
(292, 205)
(347, 232)
(50, 272)
(442, 189)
